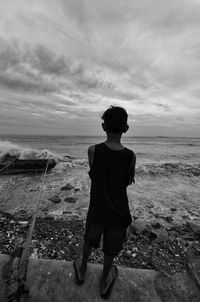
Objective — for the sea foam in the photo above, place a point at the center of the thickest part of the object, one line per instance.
(10, 149)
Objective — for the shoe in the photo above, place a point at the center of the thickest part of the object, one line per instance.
(105, 292)
(77, 273)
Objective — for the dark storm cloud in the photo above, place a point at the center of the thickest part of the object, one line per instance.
(41, 70)
(23, 84)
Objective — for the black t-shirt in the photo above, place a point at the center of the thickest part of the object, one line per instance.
(109, 175)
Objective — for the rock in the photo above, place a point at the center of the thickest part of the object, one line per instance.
(155, 224)
(173, 209)
(34, 189)
(76, 218)
(55, 199)
(161, 234)
(21, 215)
(188, 236)
(168, 219)
(66, 212)
(76, 189)
(34, 253)
(70, 199)
(23, 223)
(194, 226)
(139, 226)
(67, 187)
(49, 217)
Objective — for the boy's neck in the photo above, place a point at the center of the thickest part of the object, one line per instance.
(114, 137)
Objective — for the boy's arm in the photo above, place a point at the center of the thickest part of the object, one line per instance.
(132, 170)
(91, 150)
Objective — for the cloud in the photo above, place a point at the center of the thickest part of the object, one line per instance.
(39, 69)
(25, 85)
(75, 58)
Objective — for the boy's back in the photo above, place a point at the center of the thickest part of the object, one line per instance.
(110, 175)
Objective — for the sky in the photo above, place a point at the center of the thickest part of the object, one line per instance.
(64, 62)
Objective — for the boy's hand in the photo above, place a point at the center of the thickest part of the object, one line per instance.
(91, 151)
(131, 180)
(127, 233)
(132, 170)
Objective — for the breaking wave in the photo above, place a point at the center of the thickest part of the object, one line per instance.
(8, 149)
(168, 168)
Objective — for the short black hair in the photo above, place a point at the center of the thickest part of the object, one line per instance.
(115, 119)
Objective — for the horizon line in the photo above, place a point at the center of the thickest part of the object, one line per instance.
(84, 135)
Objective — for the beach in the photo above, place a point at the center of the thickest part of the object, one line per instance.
(166, 191)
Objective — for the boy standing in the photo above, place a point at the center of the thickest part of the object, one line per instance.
(112, 169)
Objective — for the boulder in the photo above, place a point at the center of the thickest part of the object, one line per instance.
(139, 226)
(155, 224)
(194, 226)
(160, 234)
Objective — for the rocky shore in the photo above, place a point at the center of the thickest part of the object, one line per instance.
(162, 230)
(149, 245)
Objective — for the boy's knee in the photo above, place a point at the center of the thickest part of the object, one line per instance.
(93, 236)
(111, 253)
(113, 242)
(91, 241)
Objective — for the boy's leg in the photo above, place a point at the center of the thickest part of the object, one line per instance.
(87, 249)
(112, 245)
(106, 277)
(92, 239)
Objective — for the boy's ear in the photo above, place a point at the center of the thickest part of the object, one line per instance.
(103, 126)
(126, 128)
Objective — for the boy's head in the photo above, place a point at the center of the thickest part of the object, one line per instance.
(115, 120)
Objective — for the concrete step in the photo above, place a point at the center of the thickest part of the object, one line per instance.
(52, 280)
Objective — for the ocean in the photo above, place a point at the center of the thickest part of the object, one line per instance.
(167, 168)
(151, 151)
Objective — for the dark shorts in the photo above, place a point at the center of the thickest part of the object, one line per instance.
(112, 240)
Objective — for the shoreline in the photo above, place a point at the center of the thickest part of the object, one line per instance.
(64, 205)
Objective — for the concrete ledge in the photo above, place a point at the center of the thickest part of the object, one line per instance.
(50, 281)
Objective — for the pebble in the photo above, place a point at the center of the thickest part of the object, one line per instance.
(58, 239)
(70, 199)
(23, 223)
(67, 187)
(168, 219)
(55, 199)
